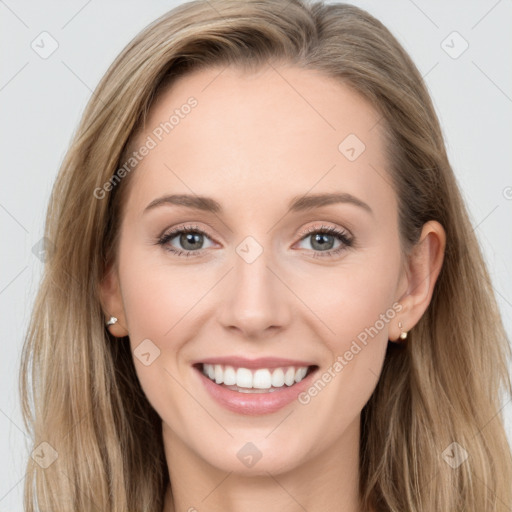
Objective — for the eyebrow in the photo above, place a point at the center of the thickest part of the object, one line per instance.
(297, 203)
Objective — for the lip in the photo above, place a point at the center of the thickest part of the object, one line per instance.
(253, 404)
(253, 364)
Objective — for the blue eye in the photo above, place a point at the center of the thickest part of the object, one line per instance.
(191, 239)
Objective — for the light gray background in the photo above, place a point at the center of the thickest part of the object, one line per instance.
(42, 100)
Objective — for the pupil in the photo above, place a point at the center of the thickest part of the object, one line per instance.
(190, 238)
(319, 238)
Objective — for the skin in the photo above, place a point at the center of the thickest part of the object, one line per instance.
(254, 141)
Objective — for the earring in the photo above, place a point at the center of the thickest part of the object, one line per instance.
(403, 334)
(112, 321)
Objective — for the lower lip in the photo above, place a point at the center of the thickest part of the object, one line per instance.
(255, 403)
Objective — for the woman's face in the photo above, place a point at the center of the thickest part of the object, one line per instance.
(262, 289)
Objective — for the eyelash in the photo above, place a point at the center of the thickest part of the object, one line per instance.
(342, 236)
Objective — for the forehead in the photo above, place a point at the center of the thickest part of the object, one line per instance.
(271, 133)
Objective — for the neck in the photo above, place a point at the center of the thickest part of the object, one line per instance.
(328, 482)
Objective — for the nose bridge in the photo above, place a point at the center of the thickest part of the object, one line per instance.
(256, 298)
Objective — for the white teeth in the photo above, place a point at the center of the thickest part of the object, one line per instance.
(289, 376)
(219, 374)
(278, 378)
(244, 378)
(262, 378)
(300, 374)
(229, 376)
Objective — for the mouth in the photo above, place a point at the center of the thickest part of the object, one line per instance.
(255, 380)
(254, 386)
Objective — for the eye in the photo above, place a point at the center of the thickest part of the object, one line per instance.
(190, 238)
(324, 238)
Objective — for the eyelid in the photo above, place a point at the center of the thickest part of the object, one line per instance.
(322, 227)
(185, 227)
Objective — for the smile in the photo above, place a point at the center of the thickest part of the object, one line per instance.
(245, 380)
(254, 387)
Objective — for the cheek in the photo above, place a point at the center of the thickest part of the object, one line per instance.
(355, 305)
(156, 301)
(155, 296)
(358, 309)
(353, 298)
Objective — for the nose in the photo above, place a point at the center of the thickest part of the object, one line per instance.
(256, 301)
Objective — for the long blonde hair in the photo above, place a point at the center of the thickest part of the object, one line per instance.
(442, 387)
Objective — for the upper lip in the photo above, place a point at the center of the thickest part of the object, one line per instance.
(261, 362)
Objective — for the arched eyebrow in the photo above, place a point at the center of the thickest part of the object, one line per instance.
(297, 203)
(310, 201)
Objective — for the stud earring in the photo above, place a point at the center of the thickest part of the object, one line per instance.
(112, 321)
(403, 334)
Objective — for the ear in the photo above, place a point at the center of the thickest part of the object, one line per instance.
(422, 269)
(112, 302)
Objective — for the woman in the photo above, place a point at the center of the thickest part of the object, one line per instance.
(265, 292)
